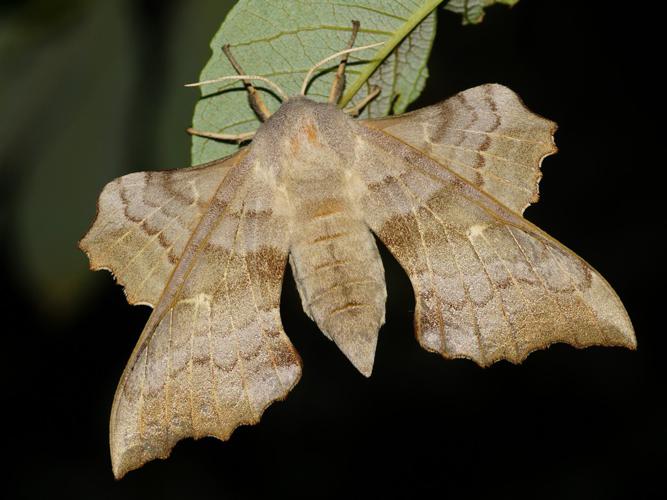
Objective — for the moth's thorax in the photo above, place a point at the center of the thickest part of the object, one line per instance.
(304, 138)
(297, 111)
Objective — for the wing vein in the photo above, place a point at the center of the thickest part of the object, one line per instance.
(142, 285)
(472, 310)
(580, 293)
(147, 244)
(254, 300)
(441, 321)
(142, 396)
(190, 367)
(498, 297)
(487, 154)
(137, 224)
(239, 358)
(447, 182)
(408, 192)
(519, 288)
(495, 134)
(211, 363)
(167, 413)
(486, 172)
(538, 275)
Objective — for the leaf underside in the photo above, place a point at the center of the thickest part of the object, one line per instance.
(283, 40)
(472, 11)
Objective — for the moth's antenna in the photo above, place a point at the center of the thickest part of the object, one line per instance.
(274, 86)
(356, 109)
(255, 99)
(238, 138)
(339, 80)
(333, 56)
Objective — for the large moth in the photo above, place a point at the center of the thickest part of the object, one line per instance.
(443, 187)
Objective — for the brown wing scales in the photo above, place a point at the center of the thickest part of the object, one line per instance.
(489, 284)
(144, 221)
(443, 187)
(213, 354)
(484, 134)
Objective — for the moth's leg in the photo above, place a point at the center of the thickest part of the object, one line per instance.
(222, 137)
(255, 99)
(339, 80)
(356, 109)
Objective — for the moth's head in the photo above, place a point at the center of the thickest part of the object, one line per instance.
(302, 128)
(294, 110)
(297, 110)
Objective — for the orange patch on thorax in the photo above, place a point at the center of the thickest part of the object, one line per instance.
(308, 132)
(311, 133)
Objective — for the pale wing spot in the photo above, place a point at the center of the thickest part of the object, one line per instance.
(195, 192)
(201, 299)
(476, 231)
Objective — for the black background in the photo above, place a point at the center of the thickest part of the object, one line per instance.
(566, 423)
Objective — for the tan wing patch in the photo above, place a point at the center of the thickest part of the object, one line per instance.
(215, 355)
(144, 221)
(484, 134)
(489, 285)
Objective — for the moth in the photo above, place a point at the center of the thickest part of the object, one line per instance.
(443, 187)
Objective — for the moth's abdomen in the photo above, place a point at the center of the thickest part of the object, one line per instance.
(340, 277)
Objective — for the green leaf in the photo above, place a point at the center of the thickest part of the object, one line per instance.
(282, 40)
(472, 11)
